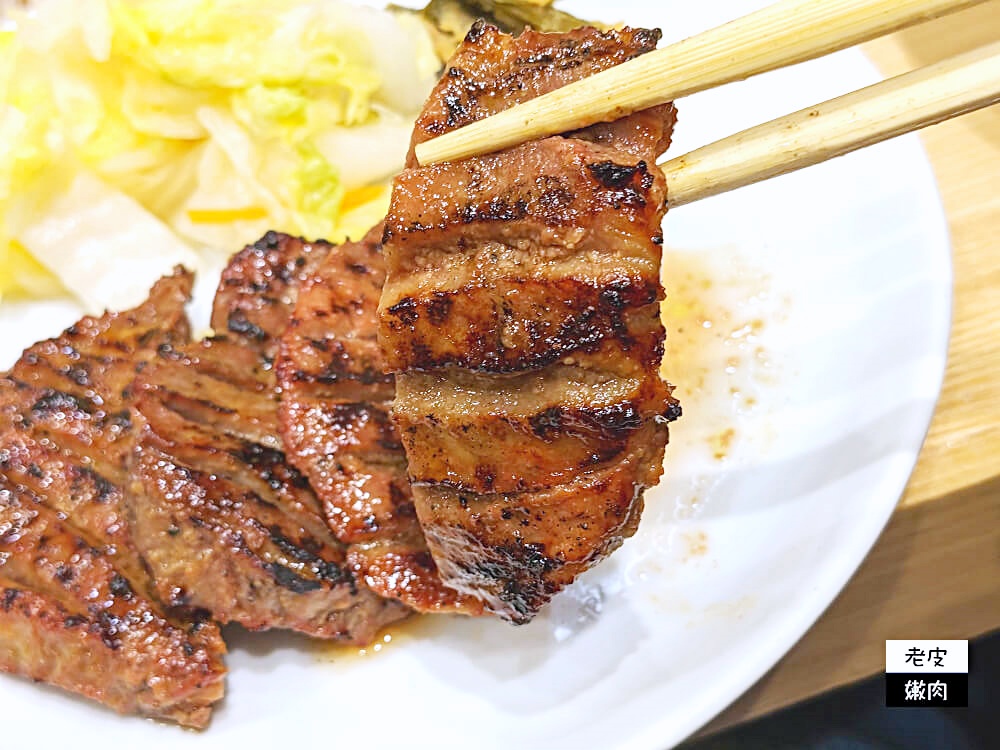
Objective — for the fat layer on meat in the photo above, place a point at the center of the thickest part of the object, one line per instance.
(520, 315)
(336, 426)
(77, 607)
(223, 520)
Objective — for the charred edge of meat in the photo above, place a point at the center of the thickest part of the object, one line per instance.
(461, 96)
(238, 323)
(267, 251)
(9, 597)
(325, 570)
(516, 572)
(625, 185)
(254, 286)
(63, 406)
(289, 579)
(104, 489)
(55, 402)
(284, 268)
(477, 31)
(671, 413)
(522, 576)
(270, 465)
(269, 241)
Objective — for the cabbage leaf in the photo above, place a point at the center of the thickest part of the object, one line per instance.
(212, 121)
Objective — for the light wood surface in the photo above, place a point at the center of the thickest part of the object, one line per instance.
(935, 572)
(786, 32)
(897, 105)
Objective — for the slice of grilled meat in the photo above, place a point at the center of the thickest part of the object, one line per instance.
(76, 603)
(521, 316)
(336, 426)
(259, 287)
(68, 617)
(223, 521)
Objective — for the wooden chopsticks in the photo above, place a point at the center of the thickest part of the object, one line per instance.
(781, 34)
(898, 105)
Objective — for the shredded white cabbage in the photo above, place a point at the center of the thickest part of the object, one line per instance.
(197, 124)
(72, 236)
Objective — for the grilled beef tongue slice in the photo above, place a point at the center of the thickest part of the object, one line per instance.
(337, 431)
(223, 520)
(77, 607)
(520, 315)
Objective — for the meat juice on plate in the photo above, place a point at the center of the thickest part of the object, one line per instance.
(720, 313)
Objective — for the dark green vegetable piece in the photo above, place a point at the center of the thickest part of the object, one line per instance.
(450, 20)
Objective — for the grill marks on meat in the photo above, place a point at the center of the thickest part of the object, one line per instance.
(76, 608)
(70, 618)
(335, 414)
(223, 520)
(520, 315)
(519, 259)
(259, 287)
(539, 429)
(491, 71)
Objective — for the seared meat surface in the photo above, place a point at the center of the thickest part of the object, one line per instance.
(336, 426)
(222, 519)
(77, 608)
(259, 288)
(521, 317)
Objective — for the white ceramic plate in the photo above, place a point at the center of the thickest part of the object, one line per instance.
(821, 299)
